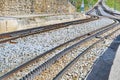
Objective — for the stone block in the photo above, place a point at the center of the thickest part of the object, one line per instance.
(3, 27)
(11, 25)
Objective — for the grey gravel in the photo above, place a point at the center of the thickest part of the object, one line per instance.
(12, 55)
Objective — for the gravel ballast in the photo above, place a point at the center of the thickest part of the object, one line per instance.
(12, 55)
(80, 69)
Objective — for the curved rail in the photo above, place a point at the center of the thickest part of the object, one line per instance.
(101, 4)
(98, 11)
(108, 11)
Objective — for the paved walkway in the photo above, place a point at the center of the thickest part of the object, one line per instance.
(104, 68)
(25, 16)
(115, 70)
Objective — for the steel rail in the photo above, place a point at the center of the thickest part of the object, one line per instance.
(100, 3)
(23, 33)
(111, 12)
(89, 11)
(42, 55)
(98, 11)
(63, 71)
(48, 63)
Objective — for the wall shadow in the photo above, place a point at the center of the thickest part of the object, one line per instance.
(102, 66)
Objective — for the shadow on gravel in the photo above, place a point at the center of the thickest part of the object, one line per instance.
(101, 68)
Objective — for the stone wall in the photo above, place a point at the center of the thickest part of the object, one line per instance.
(23, 7)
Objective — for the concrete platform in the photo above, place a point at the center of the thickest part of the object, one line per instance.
(15, 23)
(107, 67)
(115, 69)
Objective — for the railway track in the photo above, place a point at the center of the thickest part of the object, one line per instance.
(5, 37)
(101, 4)
(52, 70)
(63, 58)
(18, 72)
(71, 64)
(60, 58)
(41, 64)
(107, 11)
